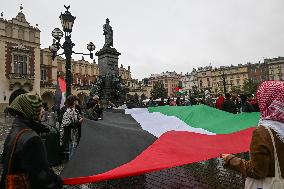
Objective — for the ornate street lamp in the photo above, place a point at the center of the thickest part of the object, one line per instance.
(67, 21)
(224, 83)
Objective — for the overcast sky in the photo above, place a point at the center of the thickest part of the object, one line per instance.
(167, 35)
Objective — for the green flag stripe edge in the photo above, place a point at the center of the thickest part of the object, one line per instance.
(211, 119)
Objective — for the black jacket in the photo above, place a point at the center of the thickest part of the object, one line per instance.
(30, 156)
(229, 106)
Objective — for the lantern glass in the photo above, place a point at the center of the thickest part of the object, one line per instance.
(91, 46)
(67, 21)
(53, 48)
(57, 33)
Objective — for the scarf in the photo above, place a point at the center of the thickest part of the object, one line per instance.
(270, 95)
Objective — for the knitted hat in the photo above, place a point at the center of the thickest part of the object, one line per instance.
(27, 105)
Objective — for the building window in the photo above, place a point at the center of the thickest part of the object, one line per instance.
(21, 34)
(43, 75)
(272, 77)
(78, 81)
(20, 64)
(32, 37)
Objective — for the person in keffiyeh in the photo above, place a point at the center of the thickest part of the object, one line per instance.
(270, 95)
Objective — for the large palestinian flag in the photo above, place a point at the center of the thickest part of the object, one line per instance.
(145, 140)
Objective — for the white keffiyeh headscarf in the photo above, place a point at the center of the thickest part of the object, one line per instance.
(270, 96)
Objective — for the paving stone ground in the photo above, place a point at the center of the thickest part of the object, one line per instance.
(203, 175)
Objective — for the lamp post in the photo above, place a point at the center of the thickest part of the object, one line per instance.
(224, 82)
(67, 20)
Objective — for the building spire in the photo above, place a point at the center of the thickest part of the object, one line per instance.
(21, 7)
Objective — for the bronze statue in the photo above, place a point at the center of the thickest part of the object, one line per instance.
(108, 33)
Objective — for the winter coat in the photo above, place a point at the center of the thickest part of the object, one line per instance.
(229, 106)
(247, 107)
(91, 114)
(261, 163)
(219, 102)
(70, 117)
(30, 156)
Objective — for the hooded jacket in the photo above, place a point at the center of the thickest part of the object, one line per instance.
(30, 156)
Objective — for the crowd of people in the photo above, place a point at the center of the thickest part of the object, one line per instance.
(70, 118)
(237, 103)
(24, 157)
(31, 117)
(229, 103)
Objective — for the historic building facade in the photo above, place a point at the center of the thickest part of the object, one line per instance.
(204, 79)
(258, 72)
(169, 79)
(19, 58)
(275, 67)
(83, 74)
(185, 82)
(25, 67)
(233, 77)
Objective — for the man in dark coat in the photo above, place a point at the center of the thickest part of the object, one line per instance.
(245, 105)
(30, 154)
(229, 105)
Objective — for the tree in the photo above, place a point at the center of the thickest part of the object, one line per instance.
(194, 92)
(110, 87)
(158, 91)
(250, 86)
(136, 98)
(235, 90)
(129, 97)
(143, 97)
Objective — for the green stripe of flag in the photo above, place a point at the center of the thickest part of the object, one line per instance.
(211, 119)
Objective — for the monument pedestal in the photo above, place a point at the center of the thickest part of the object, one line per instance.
(108, 61)
(108, 72)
